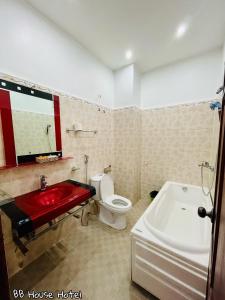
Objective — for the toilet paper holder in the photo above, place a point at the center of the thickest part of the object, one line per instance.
(108, 169)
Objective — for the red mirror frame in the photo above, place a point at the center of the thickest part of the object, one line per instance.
(7, 127)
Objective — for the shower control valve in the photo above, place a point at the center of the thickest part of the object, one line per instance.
(205, 164)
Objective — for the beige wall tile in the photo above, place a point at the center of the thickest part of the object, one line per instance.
(174, 141)
(127, 133)
(144, 147)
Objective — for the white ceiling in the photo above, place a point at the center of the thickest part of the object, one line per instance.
(107, 28)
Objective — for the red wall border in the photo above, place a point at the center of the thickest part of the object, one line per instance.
(7, 128)
(57, 123)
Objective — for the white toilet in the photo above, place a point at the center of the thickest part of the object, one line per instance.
(113, 208)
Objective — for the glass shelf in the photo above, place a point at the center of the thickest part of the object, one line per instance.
(34, 163)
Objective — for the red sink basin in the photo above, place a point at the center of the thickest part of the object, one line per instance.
(51, 196)
(44, 206)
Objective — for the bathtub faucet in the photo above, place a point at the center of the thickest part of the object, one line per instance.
(205, 164)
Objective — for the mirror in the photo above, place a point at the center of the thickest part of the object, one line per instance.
(30, 122)
(33, 123)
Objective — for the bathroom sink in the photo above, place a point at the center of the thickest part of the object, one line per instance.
(32, 210)
(51, 196)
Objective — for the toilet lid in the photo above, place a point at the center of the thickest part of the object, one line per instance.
(106, 187)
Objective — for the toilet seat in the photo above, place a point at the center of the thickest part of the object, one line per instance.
(117, 203)
(114, 203)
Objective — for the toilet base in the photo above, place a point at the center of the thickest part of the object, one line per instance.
(115, 220)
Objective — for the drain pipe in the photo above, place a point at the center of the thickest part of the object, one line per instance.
(86, 159)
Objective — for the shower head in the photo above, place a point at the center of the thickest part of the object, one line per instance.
(47, 128)
(215, 105)
(220, 90)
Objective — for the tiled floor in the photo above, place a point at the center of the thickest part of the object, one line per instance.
(94, 259)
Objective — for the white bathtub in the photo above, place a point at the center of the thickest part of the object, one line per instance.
(171, 244)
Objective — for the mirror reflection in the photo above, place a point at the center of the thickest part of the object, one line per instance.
(33, 123)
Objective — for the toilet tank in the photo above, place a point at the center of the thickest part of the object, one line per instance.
(95, 182)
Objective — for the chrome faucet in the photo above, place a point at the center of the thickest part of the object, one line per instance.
(43, 182)
(205, 164)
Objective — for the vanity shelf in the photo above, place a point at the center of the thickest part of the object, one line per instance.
(35, 163)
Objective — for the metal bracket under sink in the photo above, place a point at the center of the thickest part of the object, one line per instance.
(52, 226)
(18, 242)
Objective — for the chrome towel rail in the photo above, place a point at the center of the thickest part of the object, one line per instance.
(52, 225)
(81, 130)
